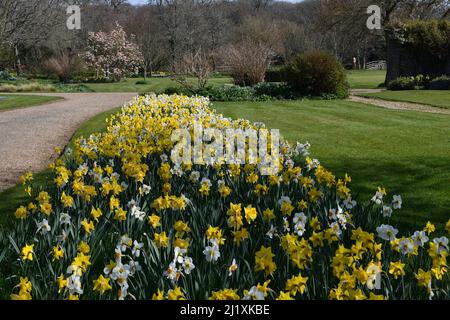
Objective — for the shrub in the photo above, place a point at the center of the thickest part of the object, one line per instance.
(440, 83)
(317, 73)
(29, 87)
(113, 54)
(275, 90)
(403, 83)
(248, 62)
(260, 92)
(180, 91)
(6, 76)
(426, 37)
(232, 93)
(72, 88)
(275, 75)
(141, 82)
(198, 66)
(64, 66)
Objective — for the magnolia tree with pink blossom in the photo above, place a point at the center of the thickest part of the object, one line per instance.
(112, 54)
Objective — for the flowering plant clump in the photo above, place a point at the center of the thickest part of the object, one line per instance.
(112, 54)
(122, 221)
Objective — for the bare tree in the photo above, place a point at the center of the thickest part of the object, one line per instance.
(24, 22)
(145, 26)
(198, 65)
(115, 3)
(248, 62)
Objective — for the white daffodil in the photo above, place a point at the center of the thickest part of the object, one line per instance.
(120, 272)
(286, 226)
(284, 199)
(146, 189)
(299, 229)
(206, 181)
(188, 265)
(300, 218)
(302, 149)
(397, 202)
(136, 251)
(125, 242)
(137, 213)
(336, 229)
(420, 238)
(164, 158)
(289, 163)
(349, 203)
(374, 277)
(342, 218)
(179, 255)
(254, 294)
(332, 214)
(406, 246)
(313, 164)
(212, 253)
(74, 284)
(43, 227)
(65, 219)
(387, 232)
(232, 269)
(134, 266)
(123, 292)
(386, 211)
(172, 272)
(177, 170)
(441, 244)
(272, 232)
(378, 198)
(124, 185)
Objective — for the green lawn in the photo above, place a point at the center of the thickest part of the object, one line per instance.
(14, 197)
(362, 79)
(406, 152)
(153, 85)
(8, 102)
(366, 79)
(437, 98)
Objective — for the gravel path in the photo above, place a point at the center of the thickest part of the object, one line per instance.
(395, 105)
(400, 105)
(28, 136)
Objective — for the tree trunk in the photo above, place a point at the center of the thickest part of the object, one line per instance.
(18, 62)
(145, 71)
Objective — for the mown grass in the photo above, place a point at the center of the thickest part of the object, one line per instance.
(436, 98)
(8, 102)
(406, 152)
(357, 79)
(152, 84)
(366, 79)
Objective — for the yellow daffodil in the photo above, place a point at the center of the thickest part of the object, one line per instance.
(264, 261)
(102, 285)
(57, 253)
(27, 252)
(21, 213)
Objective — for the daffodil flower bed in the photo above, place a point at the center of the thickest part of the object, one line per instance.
(123, 222)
